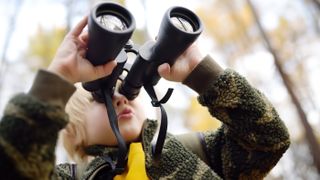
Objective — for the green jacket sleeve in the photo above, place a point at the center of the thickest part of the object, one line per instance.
(252, 137)
(29, 128)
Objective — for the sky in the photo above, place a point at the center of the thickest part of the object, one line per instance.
(31, 14)
(50, 13)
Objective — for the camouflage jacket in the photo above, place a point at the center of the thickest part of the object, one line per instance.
(248, 145)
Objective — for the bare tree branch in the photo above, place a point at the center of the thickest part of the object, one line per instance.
(313, 143)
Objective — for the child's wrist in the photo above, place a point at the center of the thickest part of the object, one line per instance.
(203, 74)
(61, 73)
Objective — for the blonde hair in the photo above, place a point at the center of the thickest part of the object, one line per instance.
(74, 135)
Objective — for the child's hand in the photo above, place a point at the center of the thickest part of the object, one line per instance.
(70, 62)
(183, 66)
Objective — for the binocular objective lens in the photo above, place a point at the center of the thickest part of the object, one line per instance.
(112, 22)
(182, 24)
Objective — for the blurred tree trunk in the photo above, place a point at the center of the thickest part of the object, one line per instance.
(243, 44)
(313, 143)
(145, 33)
(11, 27)
(313, 9)
(317, 3)
(69, 7)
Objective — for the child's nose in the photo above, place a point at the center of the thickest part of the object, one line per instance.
(119, 99)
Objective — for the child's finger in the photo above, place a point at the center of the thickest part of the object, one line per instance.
(76, 31)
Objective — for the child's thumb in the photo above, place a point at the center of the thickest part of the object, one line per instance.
(164, 70)
(103, 70)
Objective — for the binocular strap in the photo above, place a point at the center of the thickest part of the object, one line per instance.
(122, 153)
(164, 121)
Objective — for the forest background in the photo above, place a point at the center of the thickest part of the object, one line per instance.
(274, 44)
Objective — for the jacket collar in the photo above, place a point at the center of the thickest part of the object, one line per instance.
(103, 154)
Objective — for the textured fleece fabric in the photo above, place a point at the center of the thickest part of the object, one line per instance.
(250, 142)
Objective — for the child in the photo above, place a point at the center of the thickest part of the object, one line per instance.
(250, 142)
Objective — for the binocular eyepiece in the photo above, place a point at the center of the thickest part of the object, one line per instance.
(110, 28)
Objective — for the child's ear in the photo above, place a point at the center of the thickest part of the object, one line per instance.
(71, 136)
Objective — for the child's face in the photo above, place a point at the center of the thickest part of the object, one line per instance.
(130, 119)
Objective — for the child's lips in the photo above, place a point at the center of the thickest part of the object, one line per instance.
(125, 114)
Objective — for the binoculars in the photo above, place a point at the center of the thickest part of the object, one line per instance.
(110, 28)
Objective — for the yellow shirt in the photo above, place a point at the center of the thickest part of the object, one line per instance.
(136, 168)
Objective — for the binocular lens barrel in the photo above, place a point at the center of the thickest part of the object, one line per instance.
(110, 27)
(179, 28)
